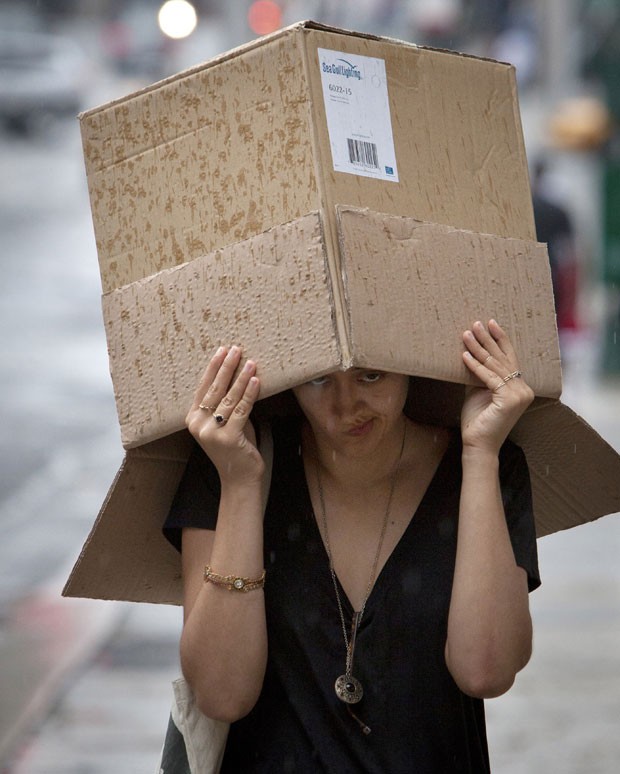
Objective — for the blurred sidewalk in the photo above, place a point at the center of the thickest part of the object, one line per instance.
(104, 696)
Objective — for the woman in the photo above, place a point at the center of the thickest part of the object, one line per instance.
(398, 558)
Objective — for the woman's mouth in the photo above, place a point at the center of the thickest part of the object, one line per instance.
(361, 429)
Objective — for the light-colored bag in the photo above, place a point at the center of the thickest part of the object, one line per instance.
(194, 743)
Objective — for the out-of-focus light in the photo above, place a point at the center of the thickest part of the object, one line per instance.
(264, 16)
(177, 19)
(580, 123)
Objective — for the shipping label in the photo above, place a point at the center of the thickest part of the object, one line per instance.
(358, 114)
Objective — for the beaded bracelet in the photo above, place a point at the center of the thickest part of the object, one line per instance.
(234, 582)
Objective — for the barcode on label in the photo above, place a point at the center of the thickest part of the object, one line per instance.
(364, 153)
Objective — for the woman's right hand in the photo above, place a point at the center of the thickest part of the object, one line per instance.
(219, 418)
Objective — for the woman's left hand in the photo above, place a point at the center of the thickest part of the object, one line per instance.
(490, 412)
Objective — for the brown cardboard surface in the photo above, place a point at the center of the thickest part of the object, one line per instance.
(238, 145)
(412, 288)
(209, 157)
(457, 134)
(575, 474)
(126, 556)
(272, 295)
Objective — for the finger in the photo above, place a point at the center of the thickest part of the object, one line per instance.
(230, 405)
(482, 347)
(484, 356)
(486, 340)
(215, 388)
(489, 378)
(244, 406)
(492, 347)
(208, 376)
(503, 340)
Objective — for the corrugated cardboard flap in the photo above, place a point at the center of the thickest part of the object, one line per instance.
(126, 556)
(575, 473)
(413, 287)
(271, 294)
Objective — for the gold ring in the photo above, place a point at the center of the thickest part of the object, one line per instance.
(513, 375)
(500, 385)
(206, 408)
(487, 358)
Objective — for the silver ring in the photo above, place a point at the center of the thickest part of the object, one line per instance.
(500, 385)
(220, 419)
(513, 375)
(206, 408)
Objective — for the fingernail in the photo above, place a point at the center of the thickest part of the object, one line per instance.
(249, 365)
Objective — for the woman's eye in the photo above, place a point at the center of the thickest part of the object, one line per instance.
(372, 376)
(320, 380)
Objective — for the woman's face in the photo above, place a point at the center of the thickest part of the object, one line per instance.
(355, 409)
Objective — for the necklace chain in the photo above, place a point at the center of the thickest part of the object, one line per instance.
(357, 616)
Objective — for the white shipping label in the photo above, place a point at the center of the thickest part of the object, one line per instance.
(358, 114)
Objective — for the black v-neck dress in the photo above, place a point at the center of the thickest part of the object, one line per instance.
(420, 721)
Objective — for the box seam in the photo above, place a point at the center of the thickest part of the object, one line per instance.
(331, 238)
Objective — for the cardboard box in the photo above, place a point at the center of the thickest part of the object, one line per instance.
(218, 166)
(324, 199)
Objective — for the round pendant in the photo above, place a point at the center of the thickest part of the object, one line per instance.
(349, 689)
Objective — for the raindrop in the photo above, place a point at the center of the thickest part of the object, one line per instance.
(293, 533)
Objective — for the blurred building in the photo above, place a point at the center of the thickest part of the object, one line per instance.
(601, 64)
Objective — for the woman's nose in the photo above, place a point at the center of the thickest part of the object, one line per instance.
(346, 398)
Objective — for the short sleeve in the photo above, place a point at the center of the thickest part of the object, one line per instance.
(196, 500)
(517, 499)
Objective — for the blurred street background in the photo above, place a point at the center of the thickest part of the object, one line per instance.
(85, 685)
